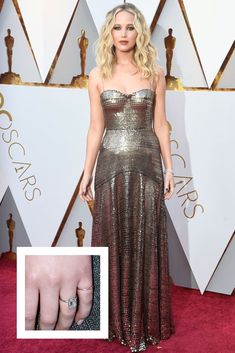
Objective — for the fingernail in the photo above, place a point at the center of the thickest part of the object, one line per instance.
(80, 322)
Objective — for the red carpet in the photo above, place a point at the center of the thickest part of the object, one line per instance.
(204, 324)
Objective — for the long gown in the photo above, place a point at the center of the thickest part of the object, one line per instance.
(129, 216)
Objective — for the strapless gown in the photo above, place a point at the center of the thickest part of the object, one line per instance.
(129, 217)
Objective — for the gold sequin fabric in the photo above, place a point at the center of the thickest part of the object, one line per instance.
(129, 216)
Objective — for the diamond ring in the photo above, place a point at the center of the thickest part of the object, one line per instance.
(72, 302)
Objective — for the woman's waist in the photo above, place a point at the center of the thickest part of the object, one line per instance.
(134, 123)
(129, 138)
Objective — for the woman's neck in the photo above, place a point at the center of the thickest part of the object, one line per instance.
(124, 58)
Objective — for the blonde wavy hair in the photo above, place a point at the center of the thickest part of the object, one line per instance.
(144, 52)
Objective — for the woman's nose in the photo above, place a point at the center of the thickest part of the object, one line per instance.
(123, 32)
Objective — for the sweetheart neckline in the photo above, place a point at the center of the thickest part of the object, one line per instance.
(127, 94)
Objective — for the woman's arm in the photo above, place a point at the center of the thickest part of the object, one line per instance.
(161, 129)
(160, 123)
(96, 128)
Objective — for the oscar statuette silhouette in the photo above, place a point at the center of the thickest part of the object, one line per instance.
(172, 82)
(80, 234)
(11, 228)
(82, 79)
(10, 77)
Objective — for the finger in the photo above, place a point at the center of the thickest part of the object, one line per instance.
(82, 198)
(166, 184)
(31, 306)
(85, 195)
(168, 194)
(66, 315)
(49, 305)
(166, 190)
(171, 189)
(90, 193)
(90, 196)
(86, 198)
(81, 193)
(85, 298)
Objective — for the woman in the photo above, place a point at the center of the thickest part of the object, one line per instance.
(127, 96)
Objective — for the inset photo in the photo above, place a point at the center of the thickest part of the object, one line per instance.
(62, 292)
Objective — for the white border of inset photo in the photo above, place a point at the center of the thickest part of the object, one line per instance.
(85, 334)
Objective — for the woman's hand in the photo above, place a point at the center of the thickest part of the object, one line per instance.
(168, 185)
(50, 278)
(85, 191)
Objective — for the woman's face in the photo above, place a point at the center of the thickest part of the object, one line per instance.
(124, 33)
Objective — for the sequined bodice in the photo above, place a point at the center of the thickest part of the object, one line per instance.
(129, 142)
(128, 110)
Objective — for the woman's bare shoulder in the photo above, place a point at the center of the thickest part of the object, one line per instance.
(95, 77)
(95, 73)
(159, 77)
(159, 72)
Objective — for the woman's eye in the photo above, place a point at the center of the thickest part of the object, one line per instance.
(118, 28)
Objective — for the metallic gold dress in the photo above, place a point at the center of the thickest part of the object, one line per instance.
(129, 217)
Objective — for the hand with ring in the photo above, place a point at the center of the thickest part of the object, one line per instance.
(168, 185)
(63, 287)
